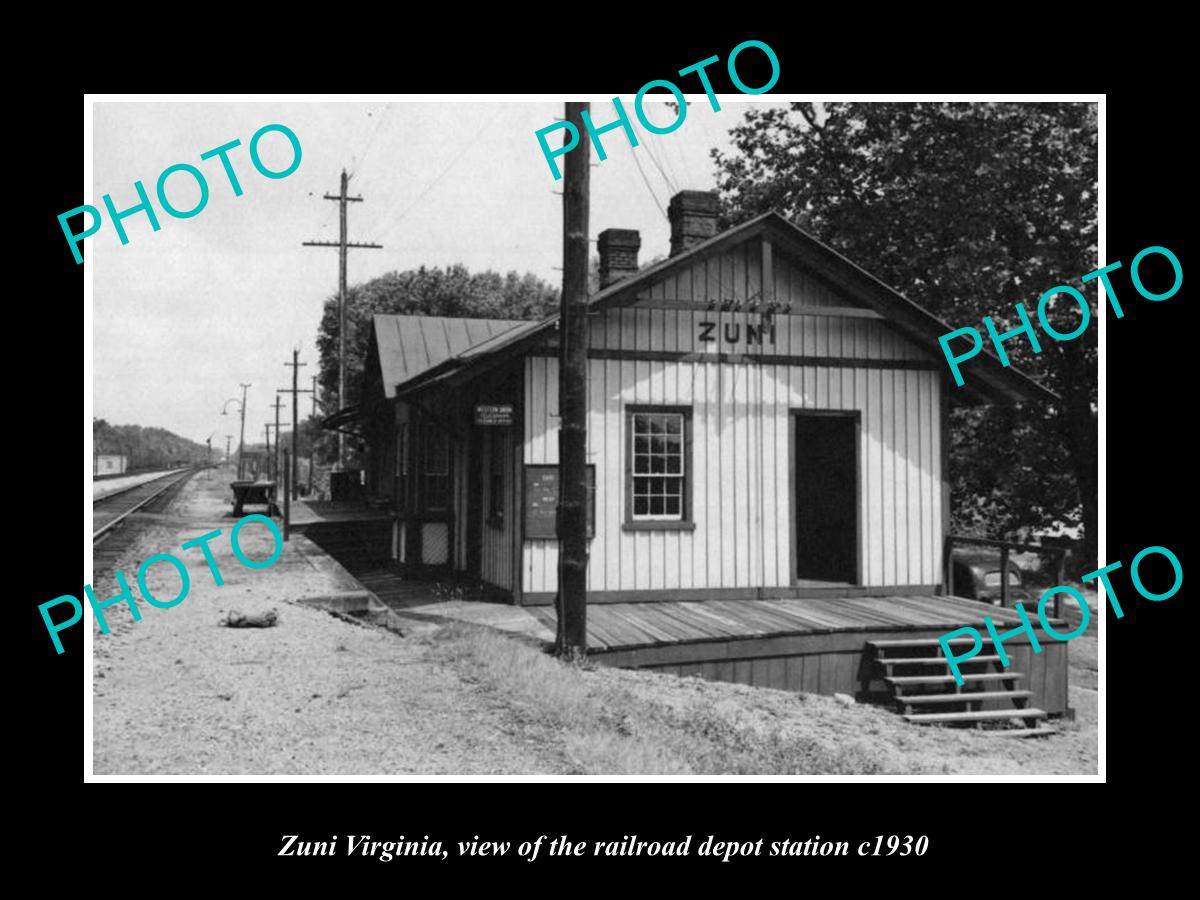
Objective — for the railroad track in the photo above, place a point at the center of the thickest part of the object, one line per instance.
(109, 513)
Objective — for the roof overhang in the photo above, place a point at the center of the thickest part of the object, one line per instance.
(343, 417)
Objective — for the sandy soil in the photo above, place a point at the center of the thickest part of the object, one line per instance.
(178, 693)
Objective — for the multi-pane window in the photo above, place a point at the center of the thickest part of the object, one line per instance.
(437, 470)
(658, 465)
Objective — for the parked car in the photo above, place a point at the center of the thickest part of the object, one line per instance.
(976, 574)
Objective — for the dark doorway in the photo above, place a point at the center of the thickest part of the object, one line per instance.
(826, 512)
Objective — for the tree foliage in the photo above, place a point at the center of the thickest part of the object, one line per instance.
(966, 209)
(145, 448)
(452, 291)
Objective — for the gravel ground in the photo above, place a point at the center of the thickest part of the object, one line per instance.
(113, 485)
(177, 693)
(773, 720)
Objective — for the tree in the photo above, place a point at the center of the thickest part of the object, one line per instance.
(452, 291)
(966, 209)
(145, 448)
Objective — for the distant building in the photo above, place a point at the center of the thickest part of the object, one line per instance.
(109, 464)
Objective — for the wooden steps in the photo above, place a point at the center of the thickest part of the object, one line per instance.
(918, 642)
(971, 696)
(925, 693)
(983, 715)
(968, 677)
(936, 661)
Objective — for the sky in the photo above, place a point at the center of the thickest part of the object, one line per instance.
(185, 314)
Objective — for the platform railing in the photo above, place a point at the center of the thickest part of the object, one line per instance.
(1005, 548)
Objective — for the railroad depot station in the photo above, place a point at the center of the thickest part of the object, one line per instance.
(767, 454)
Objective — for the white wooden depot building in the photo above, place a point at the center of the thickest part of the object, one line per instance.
(767, 438)
(766, 420)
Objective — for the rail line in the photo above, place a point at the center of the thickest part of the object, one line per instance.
(110, 511)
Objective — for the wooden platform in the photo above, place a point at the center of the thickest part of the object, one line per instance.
(812, 645)
(630, 626)
(308, 513)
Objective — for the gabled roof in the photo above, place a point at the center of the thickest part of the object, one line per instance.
(985, 375)
(408, 346)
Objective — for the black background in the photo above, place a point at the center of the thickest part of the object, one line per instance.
(213, 835)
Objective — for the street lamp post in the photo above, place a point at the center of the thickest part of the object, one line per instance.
(242, 439)
(242, 435)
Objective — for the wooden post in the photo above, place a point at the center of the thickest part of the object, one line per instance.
(287, 497)
(295, 391)
(1004, 577)
(343, 245)
(296, 364)
(278, 405)
(947, 569)
(1062, 559)
(242, 438)
(571, 643)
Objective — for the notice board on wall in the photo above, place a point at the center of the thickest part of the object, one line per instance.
(494, 414)
(541, 502)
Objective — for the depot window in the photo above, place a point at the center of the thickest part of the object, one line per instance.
(658, 470)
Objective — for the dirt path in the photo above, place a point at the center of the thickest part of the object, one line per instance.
(179, 694)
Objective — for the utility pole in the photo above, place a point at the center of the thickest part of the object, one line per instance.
(277, 405)
(571, 643)
(342, 246)
(272, 453)
(312, 451)
(295, 391)
(242, 436)
(228, 439)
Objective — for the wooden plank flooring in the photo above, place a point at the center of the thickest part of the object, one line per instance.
(629, 626)
(613, 626)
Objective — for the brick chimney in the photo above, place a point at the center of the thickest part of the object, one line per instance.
(693, 216)
(618, 254)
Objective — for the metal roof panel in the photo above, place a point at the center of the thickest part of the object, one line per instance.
(410, 345)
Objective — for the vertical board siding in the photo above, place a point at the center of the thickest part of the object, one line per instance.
(496, 560)
(458, 464)
(741, 453)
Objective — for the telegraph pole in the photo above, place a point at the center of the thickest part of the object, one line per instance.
(228, 439)
(272, 469)
(571, 643)
(312, 451)
(242, 436)
(343, 245)
(277, 405)
(295, 391)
